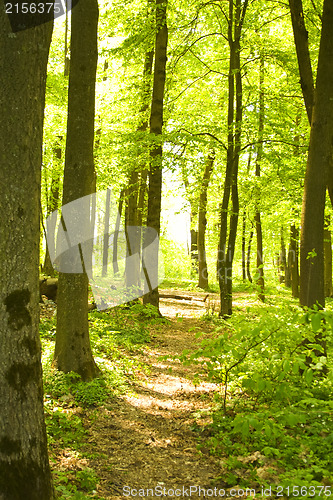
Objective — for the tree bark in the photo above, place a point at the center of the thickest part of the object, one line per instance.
(155, 170)
(202, 222)
(24, 465)
(72, 349)
(319, 158)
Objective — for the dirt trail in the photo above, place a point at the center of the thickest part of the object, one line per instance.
(147, 434)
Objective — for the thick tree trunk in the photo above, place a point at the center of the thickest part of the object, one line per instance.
(24, 465)
(72, 349)
(319, 158)
(327, 258)
(202, 222)
(155, 171)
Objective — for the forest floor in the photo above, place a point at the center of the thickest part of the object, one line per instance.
(147, 438)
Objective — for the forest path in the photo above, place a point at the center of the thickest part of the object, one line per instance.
(146, 435)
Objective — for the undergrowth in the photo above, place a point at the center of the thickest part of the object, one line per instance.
(116, 337)
(272, 419)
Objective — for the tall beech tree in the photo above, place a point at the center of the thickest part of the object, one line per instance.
(226, 252)
(72, 348)
(24, 465)
(316, 177)
(156, 124)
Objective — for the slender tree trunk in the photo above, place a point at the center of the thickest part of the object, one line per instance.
(155, 172)
(303, 54)
(257, 217)
(24, 465)
(293, 261)
(327, 258)
(284, 278)
(116, 233)
(194, 253)
(248, 257)
(53, 204)
(320, 149)
(244, 246)
(227, 242)
(133, 235)
(106, 233)
(72, 349)
(202, 221)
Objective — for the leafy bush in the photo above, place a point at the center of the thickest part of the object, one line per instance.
(281, 388)
(92, 393)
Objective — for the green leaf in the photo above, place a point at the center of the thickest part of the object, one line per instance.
(308, 375)
(316, 321)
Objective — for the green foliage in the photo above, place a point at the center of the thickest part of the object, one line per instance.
(76, 486)
(275, 394)
(92, 393)
(63, 427)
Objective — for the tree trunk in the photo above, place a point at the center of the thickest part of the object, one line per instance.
(155, 170)
(248, 257)
(116, 234)
(244, 246)
(293, 261)
(52, 204)
(257, 217)
(320, 149)
(72, 349)
(283, 277)
(106, 233)
(133, 235)
(202, 222)
(303, 54)
(227, 243)
(194, 253)
(327, 258)
(24, 465)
